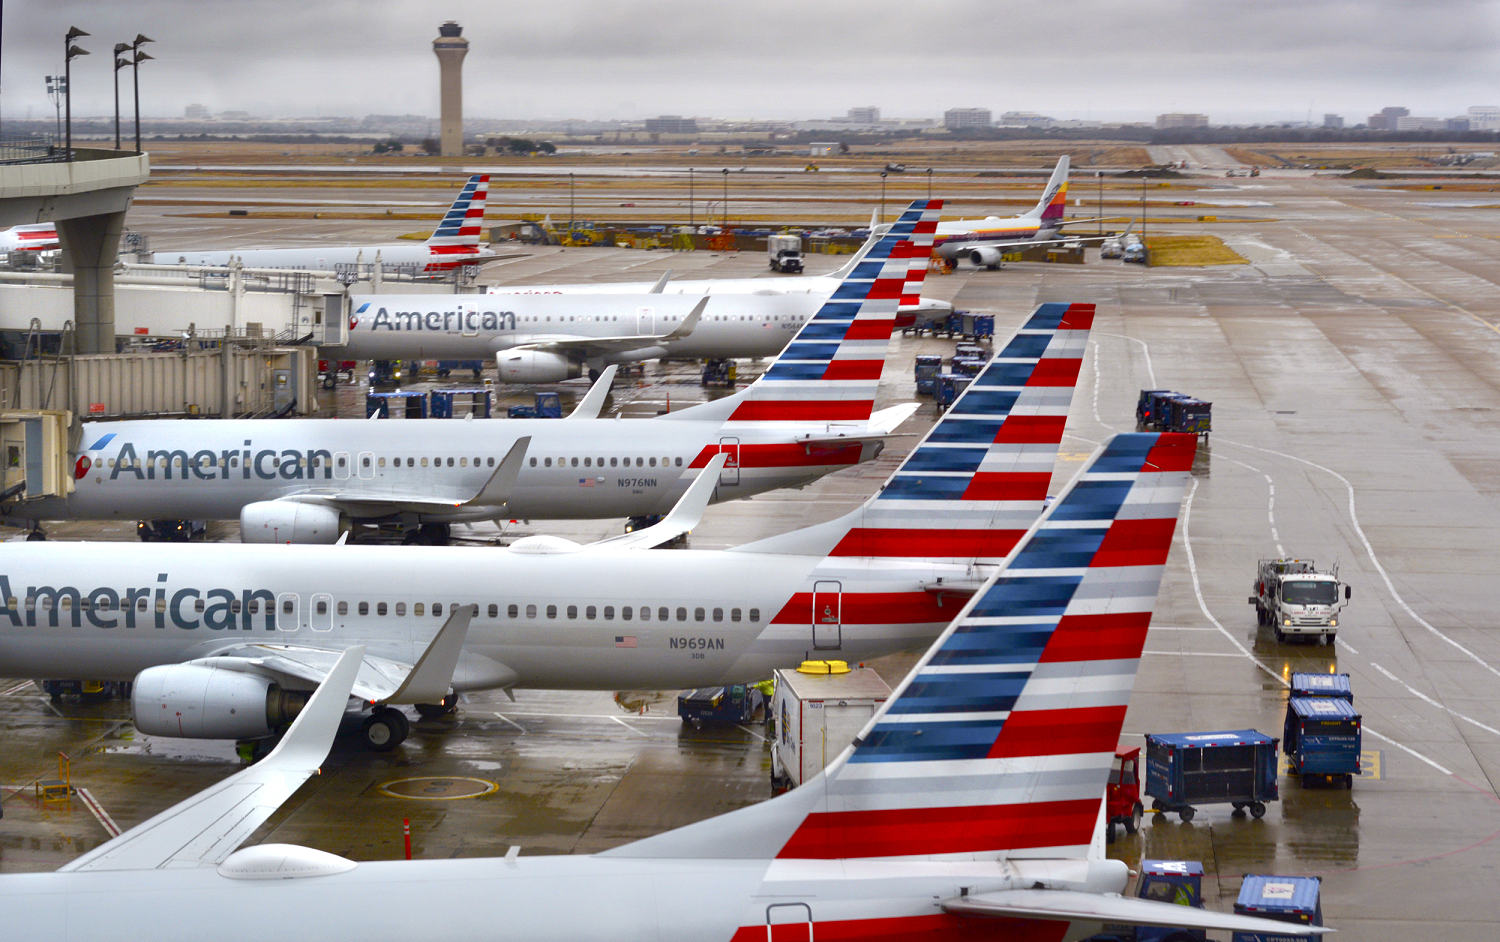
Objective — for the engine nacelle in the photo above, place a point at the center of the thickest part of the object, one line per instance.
(984, 256)
(194, 701)
(535, 366)
(288, 521)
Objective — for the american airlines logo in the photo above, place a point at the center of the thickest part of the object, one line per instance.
(144, 606)
(455, 319)
(247, 463)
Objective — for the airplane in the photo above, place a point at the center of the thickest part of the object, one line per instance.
(41, 237)
(985, 241)
(309, 480)
(912, 305)
(968, 808)
(238, 634)
(454, 242)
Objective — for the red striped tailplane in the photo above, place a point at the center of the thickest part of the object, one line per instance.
(979, 478)
(830, 370)
(458, 233)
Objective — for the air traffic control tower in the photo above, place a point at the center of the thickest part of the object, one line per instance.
(450, 47)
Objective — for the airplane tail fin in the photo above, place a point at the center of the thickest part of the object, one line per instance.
(830, 370)
(464, 221)
(979, 478)
(999, 741)
(1050, 208)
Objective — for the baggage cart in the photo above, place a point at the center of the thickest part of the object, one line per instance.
(1321, 739)
(1237, 767)
(728, 705)
(927, 368)
(1285, 899)
(1322, 685)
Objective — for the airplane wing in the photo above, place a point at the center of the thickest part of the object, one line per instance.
(584, 347)
(1101, 907)
(592, 403)
(494, 493)
(684, 515)
(377, 679)
(208, 827)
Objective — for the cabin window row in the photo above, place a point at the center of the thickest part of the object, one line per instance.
(613, 462)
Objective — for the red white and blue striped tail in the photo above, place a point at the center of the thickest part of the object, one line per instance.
(999, 741)
(977, 482)
(462, 224)
(830, 370)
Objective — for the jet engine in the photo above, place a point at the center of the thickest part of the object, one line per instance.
(984, 256)
(535, 366)
(194, 701)
(288, 521)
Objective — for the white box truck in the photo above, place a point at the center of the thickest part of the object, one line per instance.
(784, 252)
(817, 710)
(1296, 598)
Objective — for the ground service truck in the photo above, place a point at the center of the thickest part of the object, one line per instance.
(1297, 599)
(784, 252)
(817, 710)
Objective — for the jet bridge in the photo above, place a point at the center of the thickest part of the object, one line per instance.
(34, 454)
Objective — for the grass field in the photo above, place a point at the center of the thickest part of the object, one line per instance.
(1191, 251)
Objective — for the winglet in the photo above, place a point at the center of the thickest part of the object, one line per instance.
(206, 828)
(689, 322)
(683, 516)
(498, 488)
(592, 402)
(661, 283)
(429, 681)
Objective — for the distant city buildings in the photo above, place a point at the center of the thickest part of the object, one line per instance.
(1386, 119)
(1333, 122)
(1025, 119)
(959, 119)
(868, 114)
(1177, 120)
(671, 124)
(1484, 118)
(195, 112)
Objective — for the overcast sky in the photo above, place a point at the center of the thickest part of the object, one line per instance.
(1237, 61)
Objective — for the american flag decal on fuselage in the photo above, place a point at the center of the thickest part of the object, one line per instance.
(1000, 740)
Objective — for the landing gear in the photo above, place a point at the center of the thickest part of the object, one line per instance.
(428, 534)
(385, 729)
(36, 534)
(432, 711)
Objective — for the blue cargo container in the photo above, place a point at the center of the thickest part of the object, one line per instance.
(410, 404)
(1322, 685)
(984, 326)
(928, 366)
(1285, 899)
(1321, 739)
(481, 400)
(1164, 881)
(1237, 767)
(1150, 408)
(1186, 414)
(949, 387)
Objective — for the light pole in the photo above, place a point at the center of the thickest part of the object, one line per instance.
(70, 51)
(929, 183)
(725, 227)
(882, 196)
(135, 74)
(570, 207)
(1143, 209)
(1099, 177)
(690, 202)
(57, 86)
(119, 64)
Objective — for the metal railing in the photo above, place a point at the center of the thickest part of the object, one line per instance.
(30, 150)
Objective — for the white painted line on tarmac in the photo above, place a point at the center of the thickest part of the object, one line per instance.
(1426, 699)
(97, 810)
(628, 726)
(1192, 653)
(19, 686)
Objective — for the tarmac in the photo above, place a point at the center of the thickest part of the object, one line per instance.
(1356, 395)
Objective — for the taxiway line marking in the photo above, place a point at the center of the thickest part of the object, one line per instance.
(97, 810)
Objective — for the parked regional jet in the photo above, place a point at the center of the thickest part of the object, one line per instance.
(984, 241)
(968, 807)
(224, 640)
(307, 480)
(454, 242)
(41, 237)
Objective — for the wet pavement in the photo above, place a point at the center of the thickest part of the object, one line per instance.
(1356, 389)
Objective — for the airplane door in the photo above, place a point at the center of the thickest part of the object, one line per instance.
(789, 922)
(320, 618)
(645, 320)
(341, 466)
(827, 615)
(731, 471)
(288, 611)
(470, 319)
(366, 465)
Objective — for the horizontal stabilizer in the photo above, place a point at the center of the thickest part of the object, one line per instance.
(206, 828)
(683, 516)
(1105, 907)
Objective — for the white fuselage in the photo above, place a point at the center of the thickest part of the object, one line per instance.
(476, 326)
(324, 257)
(549, 613)
(574, 468)
(535, 899)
